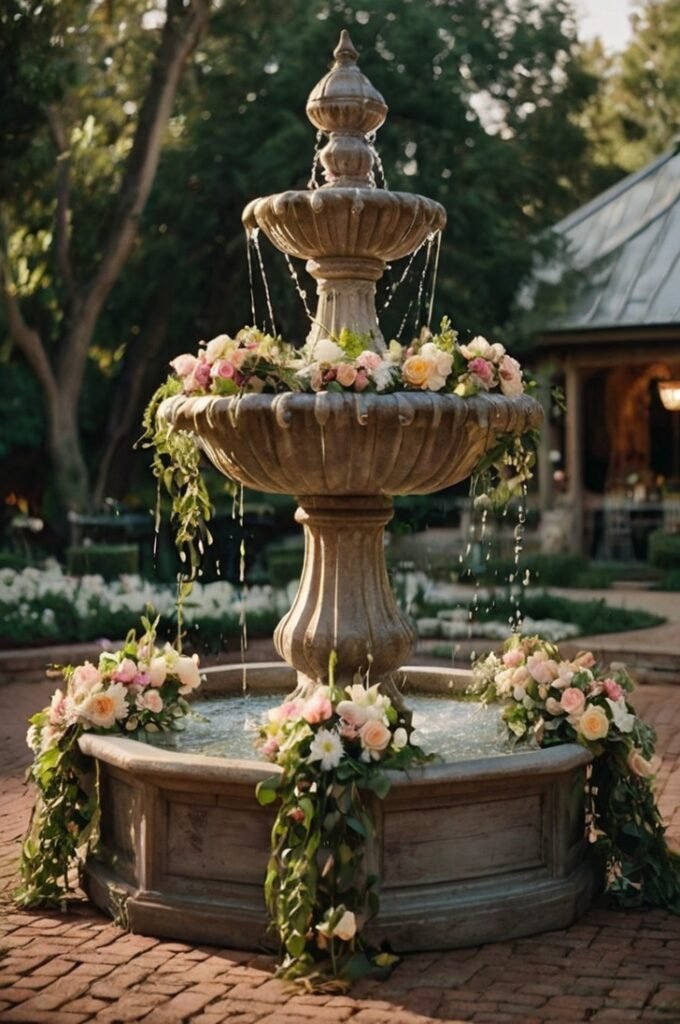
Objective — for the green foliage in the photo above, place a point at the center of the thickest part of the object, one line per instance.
(176, 466)
(664, 549)
(634, 115)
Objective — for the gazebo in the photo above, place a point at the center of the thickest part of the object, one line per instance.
(614, 346)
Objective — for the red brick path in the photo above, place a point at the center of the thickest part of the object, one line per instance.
(79, 967)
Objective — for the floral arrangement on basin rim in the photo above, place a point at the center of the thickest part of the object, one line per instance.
(136, 691)
(334, 748)
(257, 362)
(550, 700)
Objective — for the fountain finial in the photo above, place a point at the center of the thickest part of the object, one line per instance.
(344, 52)
(346, 107)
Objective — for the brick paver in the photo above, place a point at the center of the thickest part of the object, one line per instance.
(78, 967)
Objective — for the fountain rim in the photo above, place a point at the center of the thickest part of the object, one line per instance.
(481, 403)
(144, 759)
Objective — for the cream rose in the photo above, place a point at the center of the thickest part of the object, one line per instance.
(510, 374)
(346, 927)
(150, 701)
(158, 670)
(218, 348)
(593, 723)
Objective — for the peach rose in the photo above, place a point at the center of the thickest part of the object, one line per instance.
(375, 736)
(352, 713)
(593, 723)
(585, 659)
(416, 371)
(150, 701)
(572, 701)
(639, 765)
(553, 706)
(103, 709)
(345, 374)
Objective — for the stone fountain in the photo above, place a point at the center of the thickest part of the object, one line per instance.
(462, 849)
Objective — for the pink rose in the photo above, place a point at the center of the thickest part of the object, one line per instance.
(270, 747)
(369, 360)
(317, 709)
(513, 658)
(361, 382)
(86, 677)
(184, 365)
(542, 669)
(510, 374)
(126, 671)
(224, 369)
(352, 713)
(199, 378)
(612, 689)
(573, 701)
(375, 736)
(150, 701)
(345, 374)
(483, 370)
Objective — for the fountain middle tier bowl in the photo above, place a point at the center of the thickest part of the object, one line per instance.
(350, 444)
(360, 223)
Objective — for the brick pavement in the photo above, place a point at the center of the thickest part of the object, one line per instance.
(78, 967)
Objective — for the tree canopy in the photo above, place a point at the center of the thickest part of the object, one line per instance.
(116, 255)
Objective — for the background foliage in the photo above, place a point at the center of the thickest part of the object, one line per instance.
(496, 110)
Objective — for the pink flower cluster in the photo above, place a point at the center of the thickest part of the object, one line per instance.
(365, 721)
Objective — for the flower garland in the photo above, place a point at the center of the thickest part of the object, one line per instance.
(334, 748)
(135, 691)
(550, 700)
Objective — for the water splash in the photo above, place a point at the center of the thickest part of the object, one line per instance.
(421, 285)
(313, 182)
(377, 177)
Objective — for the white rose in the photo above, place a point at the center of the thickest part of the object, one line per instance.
(188, 673)
(158, 670)
(218, 347)
(326, 351)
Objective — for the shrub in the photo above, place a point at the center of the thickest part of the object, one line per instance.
(664, 549)
(107, 560)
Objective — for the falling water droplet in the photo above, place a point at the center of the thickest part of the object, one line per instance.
(298, 287)
(313, 182)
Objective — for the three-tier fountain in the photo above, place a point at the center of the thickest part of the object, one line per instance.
(462, 848)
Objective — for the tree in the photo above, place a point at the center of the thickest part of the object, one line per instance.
(484, 100)
(36, 258)
(636, 113)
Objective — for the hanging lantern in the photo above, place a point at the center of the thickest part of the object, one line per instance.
(669, 393)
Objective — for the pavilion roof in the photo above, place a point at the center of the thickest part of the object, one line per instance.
(626, 244)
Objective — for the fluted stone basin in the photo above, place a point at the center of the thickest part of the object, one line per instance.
(361, 223)
(467, 852)
(350, 444)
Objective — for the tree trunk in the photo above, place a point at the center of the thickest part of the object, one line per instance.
(68, 465)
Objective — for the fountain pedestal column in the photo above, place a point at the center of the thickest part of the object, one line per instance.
(344, 602)
(346, 289)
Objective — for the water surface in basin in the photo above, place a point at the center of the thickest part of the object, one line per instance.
(456, 730)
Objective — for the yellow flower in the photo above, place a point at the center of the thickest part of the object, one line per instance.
(593, 723)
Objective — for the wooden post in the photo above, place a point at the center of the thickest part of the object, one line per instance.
(574, 440)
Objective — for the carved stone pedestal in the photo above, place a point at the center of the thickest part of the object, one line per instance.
(344, 602)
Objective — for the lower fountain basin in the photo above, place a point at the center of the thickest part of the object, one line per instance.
(464, 850)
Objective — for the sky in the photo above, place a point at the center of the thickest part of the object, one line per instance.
(608, 19)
